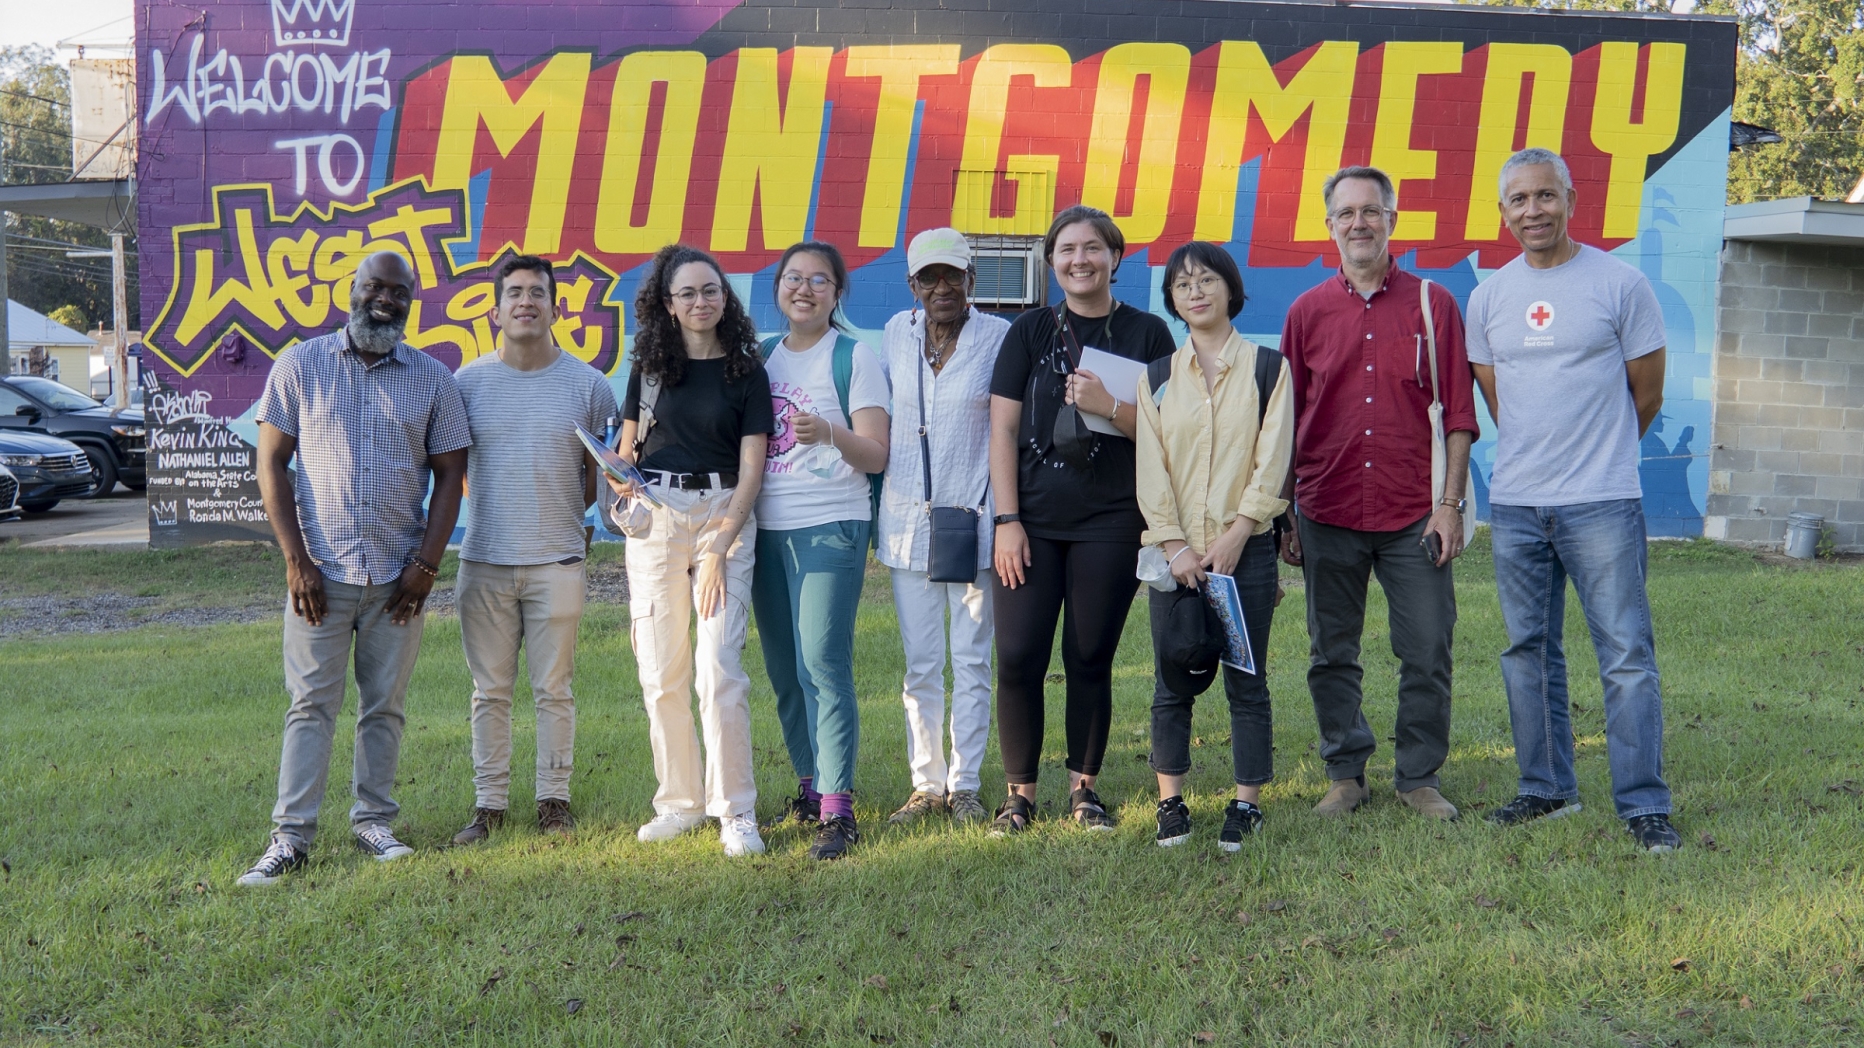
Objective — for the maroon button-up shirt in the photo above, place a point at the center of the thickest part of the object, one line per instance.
(1362, 399)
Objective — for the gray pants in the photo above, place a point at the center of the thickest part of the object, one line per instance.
(316, 662)
(1421, 602)
(503, 607)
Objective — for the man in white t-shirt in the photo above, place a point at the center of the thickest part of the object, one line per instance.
(521, 584)
(1567, 343)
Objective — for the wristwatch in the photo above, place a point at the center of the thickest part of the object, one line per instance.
(1455, 504)
(1006, 518)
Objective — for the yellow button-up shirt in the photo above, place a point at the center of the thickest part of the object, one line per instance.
(1203, 460)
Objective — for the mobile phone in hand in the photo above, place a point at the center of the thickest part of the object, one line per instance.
(1433, 546)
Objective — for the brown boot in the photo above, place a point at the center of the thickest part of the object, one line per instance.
(553, 816)
(484, 821)
(1427, 801)
(1345, 795)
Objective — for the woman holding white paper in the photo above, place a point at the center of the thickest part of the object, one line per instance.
(1214, 441)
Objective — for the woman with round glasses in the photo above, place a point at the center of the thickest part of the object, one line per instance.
(814, 520)
(1067, 520)
(1214, 441)
(696, 418)
(940, 355)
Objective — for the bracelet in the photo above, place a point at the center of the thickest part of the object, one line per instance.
(1175, 556)
(432, 572)
(1114, 414)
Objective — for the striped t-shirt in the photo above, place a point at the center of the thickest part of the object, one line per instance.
(524, 474)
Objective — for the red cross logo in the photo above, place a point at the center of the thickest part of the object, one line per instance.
(1540, 316)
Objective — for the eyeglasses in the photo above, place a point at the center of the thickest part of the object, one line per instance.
(818, 282)
(1204, 285)
(1371, 214)
(931, 277)
(686, 296)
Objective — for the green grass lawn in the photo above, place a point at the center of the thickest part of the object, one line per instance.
(137, 773)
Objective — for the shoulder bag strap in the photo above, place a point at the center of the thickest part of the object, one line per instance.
(644, 409)
(844, 373)
(1158, 373)
(1268, 372)
(1430, 336)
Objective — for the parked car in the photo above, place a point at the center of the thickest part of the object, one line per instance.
(47, 468)
(114, 440)
(9, 495)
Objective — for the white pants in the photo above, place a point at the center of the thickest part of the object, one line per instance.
(663, 569)
(922, 605)
(501, 608)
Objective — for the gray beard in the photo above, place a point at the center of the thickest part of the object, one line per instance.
(373, 336)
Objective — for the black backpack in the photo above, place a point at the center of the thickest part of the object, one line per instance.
(1268, 369)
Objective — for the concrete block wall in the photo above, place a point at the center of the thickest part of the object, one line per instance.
(1789, 392)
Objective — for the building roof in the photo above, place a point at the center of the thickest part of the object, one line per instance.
(27, 328)
(1803, 220)
(110, 205)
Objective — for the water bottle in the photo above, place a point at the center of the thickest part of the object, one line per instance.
(610, 427)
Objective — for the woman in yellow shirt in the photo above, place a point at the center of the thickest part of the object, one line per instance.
(1214, 443)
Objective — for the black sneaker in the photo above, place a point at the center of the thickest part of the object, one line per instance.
(553, 816)
(281, 857)
(1013, 816)
(377, 842)
(834, 837)
(1654, 833)
(1174, 822)
(1526, 808)
(1088, 811)
(1240, 819)
(484, 821)
(798, 809)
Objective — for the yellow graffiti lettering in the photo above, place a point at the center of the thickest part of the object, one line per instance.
(288, 269)
(1322, 90)
(899, 68)
(770, 147)
(461, 338)
(411, 225)
(572, 297)
(1508, 65)
(1631, 145)
(1048, 66)
(1405, 61)
(208, 298)
(684, 74)
(1168, 68)
(477, 97)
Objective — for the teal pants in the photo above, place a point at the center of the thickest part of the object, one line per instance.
(805, 592)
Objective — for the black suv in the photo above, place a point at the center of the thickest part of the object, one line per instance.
(113, 440)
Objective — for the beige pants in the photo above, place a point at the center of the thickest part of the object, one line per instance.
(502, 607)
(662, 572)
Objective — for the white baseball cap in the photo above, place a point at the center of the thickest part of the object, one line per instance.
(942, 246)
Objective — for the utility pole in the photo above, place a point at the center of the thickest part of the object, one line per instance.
(119, 306)
(6, 344)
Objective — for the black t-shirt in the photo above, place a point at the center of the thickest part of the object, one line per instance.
(1097, 504)
(699, 423)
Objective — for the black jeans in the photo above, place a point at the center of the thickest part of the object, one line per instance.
(1421, 599)
(1252, 743)
(1089, 586)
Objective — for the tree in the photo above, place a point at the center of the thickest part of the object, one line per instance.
(35, 148)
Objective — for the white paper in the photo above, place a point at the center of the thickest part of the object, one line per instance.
(1121, 377)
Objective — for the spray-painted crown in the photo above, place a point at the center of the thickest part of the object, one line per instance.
(297, 23)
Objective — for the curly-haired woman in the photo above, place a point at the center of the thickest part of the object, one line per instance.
(700, 443)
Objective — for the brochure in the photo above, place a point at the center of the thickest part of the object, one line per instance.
(1121, 377)
(1221, 592)
(616, 466)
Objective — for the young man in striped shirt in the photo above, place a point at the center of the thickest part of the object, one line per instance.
(521, 583)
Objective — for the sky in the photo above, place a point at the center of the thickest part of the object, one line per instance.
(46, 23)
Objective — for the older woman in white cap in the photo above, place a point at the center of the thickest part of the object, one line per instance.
(935, 512)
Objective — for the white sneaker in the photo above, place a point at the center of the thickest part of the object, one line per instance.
(668, 826)
(738, 833)
(377, 842)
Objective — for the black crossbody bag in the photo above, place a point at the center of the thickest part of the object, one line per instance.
(951, 546)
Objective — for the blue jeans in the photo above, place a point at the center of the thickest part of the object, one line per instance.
(805, 592)
(1601, 546)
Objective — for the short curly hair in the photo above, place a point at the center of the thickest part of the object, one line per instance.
(659, 348)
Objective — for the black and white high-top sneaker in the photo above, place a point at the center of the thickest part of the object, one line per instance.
(1174, 822)
(375, 840)
(281, 857)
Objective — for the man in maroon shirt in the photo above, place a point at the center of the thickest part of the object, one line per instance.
(1361, 482)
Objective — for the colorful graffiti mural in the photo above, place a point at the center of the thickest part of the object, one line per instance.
(288, 139)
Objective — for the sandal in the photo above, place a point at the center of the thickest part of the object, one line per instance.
(1088, 811)
(1013, 816)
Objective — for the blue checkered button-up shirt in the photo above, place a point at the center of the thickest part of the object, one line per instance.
(364, 433)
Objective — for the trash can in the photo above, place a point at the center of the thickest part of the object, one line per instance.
(1802, 535)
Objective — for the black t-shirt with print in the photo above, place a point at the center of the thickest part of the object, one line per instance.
(1096, 504)
(699, 423)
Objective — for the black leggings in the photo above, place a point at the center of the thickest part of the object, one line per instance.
(1090, 587)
